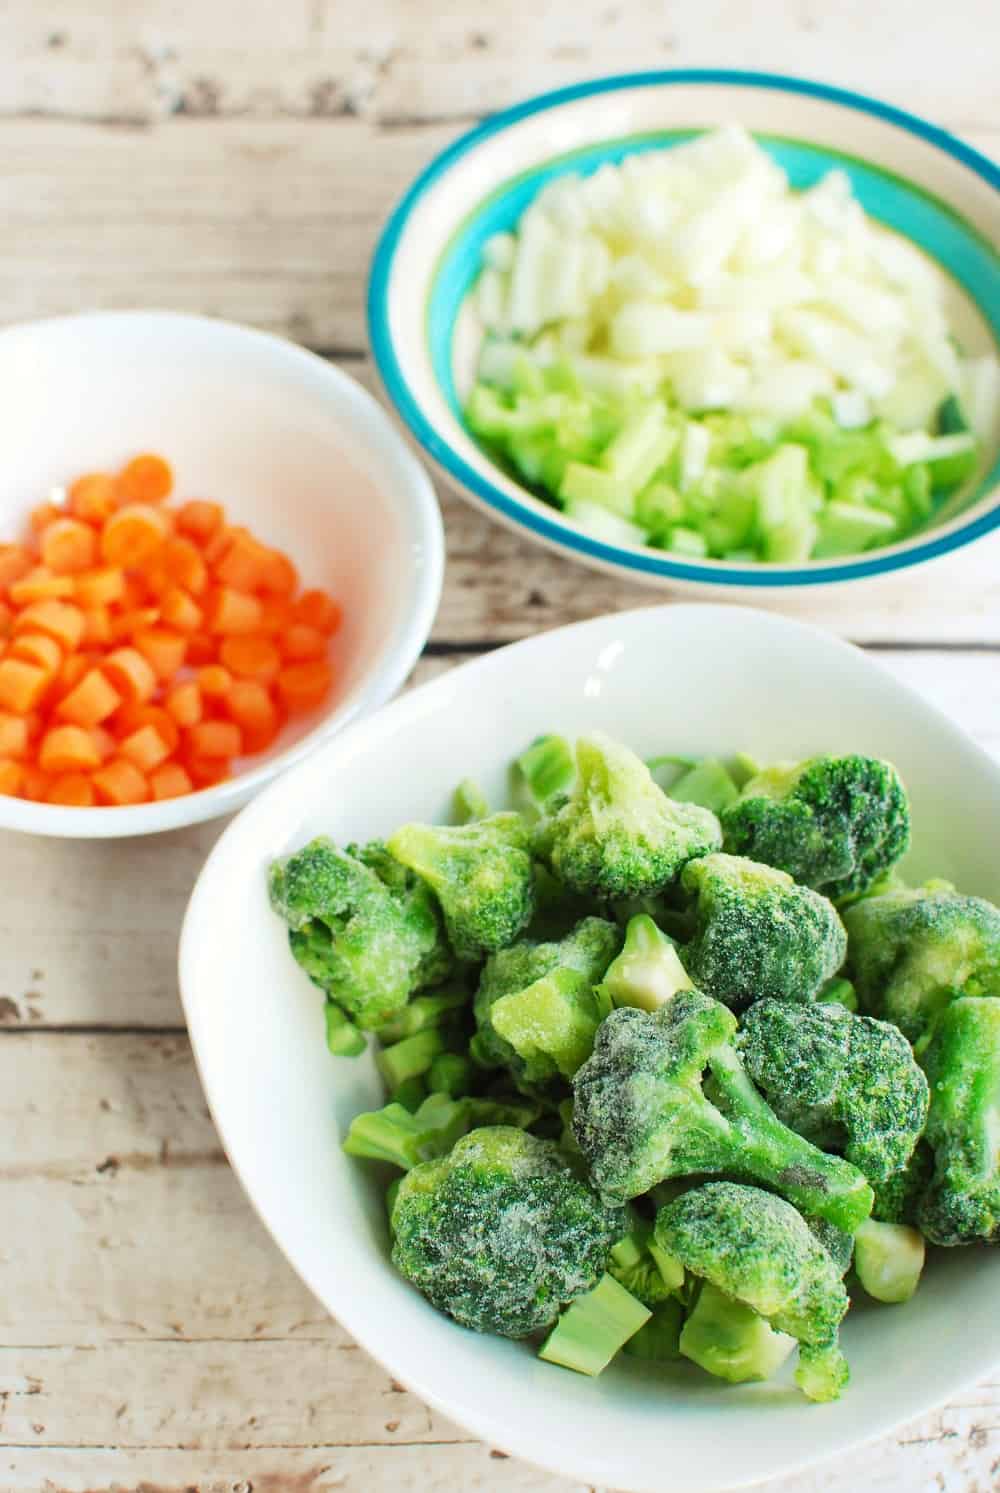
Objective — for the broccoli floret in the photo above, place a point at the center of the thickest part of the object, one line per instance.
(406, 1138)
(644, 1113)
(727, 1338)
(961, 1205)
(755, 1248)
(834, 823)
(500, 1234)
(910, 953)
(618, 835)
(758, 934)
(888, 1260)
(897, 1199)
(538, 1006)
(369, 945)
(846, 1082)
(838, 1243)
(650, 1275)
(648, 972)
(481, 874)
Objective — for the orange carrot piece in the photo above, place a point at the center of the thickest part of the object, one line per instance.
(250, 657)
(133, 535)
(60, 619)
(145, 479)
(145, 747)
(40, 584)
(22, 685)
(201, 650)
(318, 609)
(14, 562)
(97, 628)
(301, 641)
(165, 650)
(214, 739)
(183, 703)
(275, 615)
(68, 749)
(38, 649)
(11, 777)
(99, 588)
(6, 618)
(104, 742)
(250, 705)
(120, 782)
(214, 681)
(206, 772)
(215, 547)
(68, 546)
(125, 625)
(304, 686)
(229, 612)
(89, 701)
(170, 781)
(131, 674)
(244, 565)
(74, 667)
(183, 565)
(131, 718)
(179, 610)
(200, 519)
(44, 514)
(74, 789)
(92, 497)
(280, 576)
(34, 782)
(14, 735)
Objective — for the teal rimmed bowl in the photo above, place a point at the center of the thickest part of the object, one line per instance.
(911, 176)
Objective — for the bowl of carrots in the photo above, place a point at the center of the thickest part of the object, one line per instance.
(215, 550)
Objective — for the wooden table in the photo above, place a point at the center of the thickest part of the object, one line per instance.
(237, 157)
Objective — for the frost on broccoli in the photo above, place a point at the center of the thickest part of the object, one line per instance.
(897, 1199)
(644, 1112)
(538, 1005)
(834, 823)
(755, 1248)
(912, 952)
(367, 943)
(500, 1234)
(617, 834)
(845, 1082)
(481, 873)
(758, 933)
(961, 1204)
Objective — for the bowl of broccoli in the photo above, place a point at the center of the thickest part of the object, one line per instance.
(608, 1033)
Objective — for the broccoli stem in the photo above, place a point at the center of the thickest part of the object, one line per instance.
(648, 971)
(451, 1074)
(670, 1268)
(422, 1012)
(707, 783)
(658, 1340)
(548, 767)
(411, 1094)
(410, 1058)
(469, 802)
(727, 1338)
(889, 1260)
(342, 1037)
(394, 1134)
(593, 1328)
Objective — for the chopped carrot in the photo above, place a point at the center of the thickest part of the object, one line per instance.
(164, 650)
(99, 588)
(249, 704)
(228, 611)
(67, 749)
(280, 576)
(14, 735)
(60, 619)
(120, 782)
(104, 742)
(38, 649)
(135, 594)
(131, 674)
(215, 547)
(68, 546)
(131, 718)
(74, 667)
(125, 625)
(22, 685)
(73, 789)
(183, 703)
(90, 701)
(11, 776)
(145, 747)
(170, 781)
(145, 479)
(214, 739)
(93, 497)
(39, 584)
(317, 609)
(200, 519)
(43, 515)
(304, 686)
(244, 565)
(97, 627)
(180, 610)
(214, 681)
(250, 657)
(275, 615)
(133, 535)
(34, 782)
(206, 772)
(201, 650)
(6, 618)
(14, 562)
(302, 641)
(184, 565)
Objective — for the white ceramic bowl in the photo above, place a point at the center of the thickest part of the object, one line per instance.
(909, 175)
(686, 679)
(292, 446)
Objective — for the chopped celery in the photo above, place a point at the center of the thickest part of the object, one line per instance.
(587, 484)
(685, 541)
(950, 459)
(847, 528)
(594, 1327)
(659, 506)
(597, 520)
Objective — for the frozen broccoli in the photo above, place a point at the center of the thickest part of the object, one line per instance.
(637, 1262)
(961, 1204)
(758, 934)
(727, 1338)
(834, 823)
(644, 1112)
(659, 1339)
(481, 874)
(648, 972)
(755, 1248)
(538, 1005)
(910, 953)
(846, 1082)
(838, 1244)
(369, 945)
(593, 1328)
(617, 834)
(547, 769)
(405, 1139)
(897, 1199)
(500, 1234)
(888, 1260)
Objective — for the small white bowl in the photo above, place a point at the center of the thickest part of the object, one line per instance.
(687, 679)
(293, 448)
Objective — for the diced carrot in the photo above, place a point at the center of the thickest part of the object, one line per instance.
(170, 781)
(60, 619)
(90, 701)
(250, 657)
(179, 610)
(200, 519)
(67, 749)
(22, 685)
(133, 535)
(206, 772)
(104, 742)
(214, 681)
(97, 628)
(73, 670)
(228, 611)
(93, 497)
(280, 576)
(120, 782)
(165, 650)
(183, 702)
(43, 515)
(68, 546)
(14, 562)
(6, 618)
(126, 625)
(34, 782)
(215, 547)
(275, 615)
(11, 777)
(99, 588)
(249, 704)
(301, 641)
(183, 565)
(244, 565)
(38, 649)
(202, 649)
(317, 609)
(214, 739)
(145, 479)
(131, 674)
(145, 747)
(40, 584)
(135, 594)
(14, 735)
(303, 686)
(131, 718)
(73, 789)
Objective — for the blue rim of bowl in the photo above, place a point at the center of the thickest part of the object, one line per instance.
(519, 512)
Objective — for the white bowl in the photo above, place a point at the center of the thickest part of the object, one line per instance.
(687, 679)
(292, 446)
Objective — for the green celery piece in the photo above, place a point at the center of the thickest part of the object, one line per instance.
(421, 1012)
(342, 1037)
(548, 767)
(740, 556)
(527, 377)
(409, 1058)
(658, 507)
(594, 1327)
(846, 529)
(639, 449)
(730, 1340)
(470, 802)
(587, 484)
(685, 541)
(599, 520)
(659, 1339)
(707, 784)
(951, 459)
(781, 485)
(888, 1260)
(919, 491)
